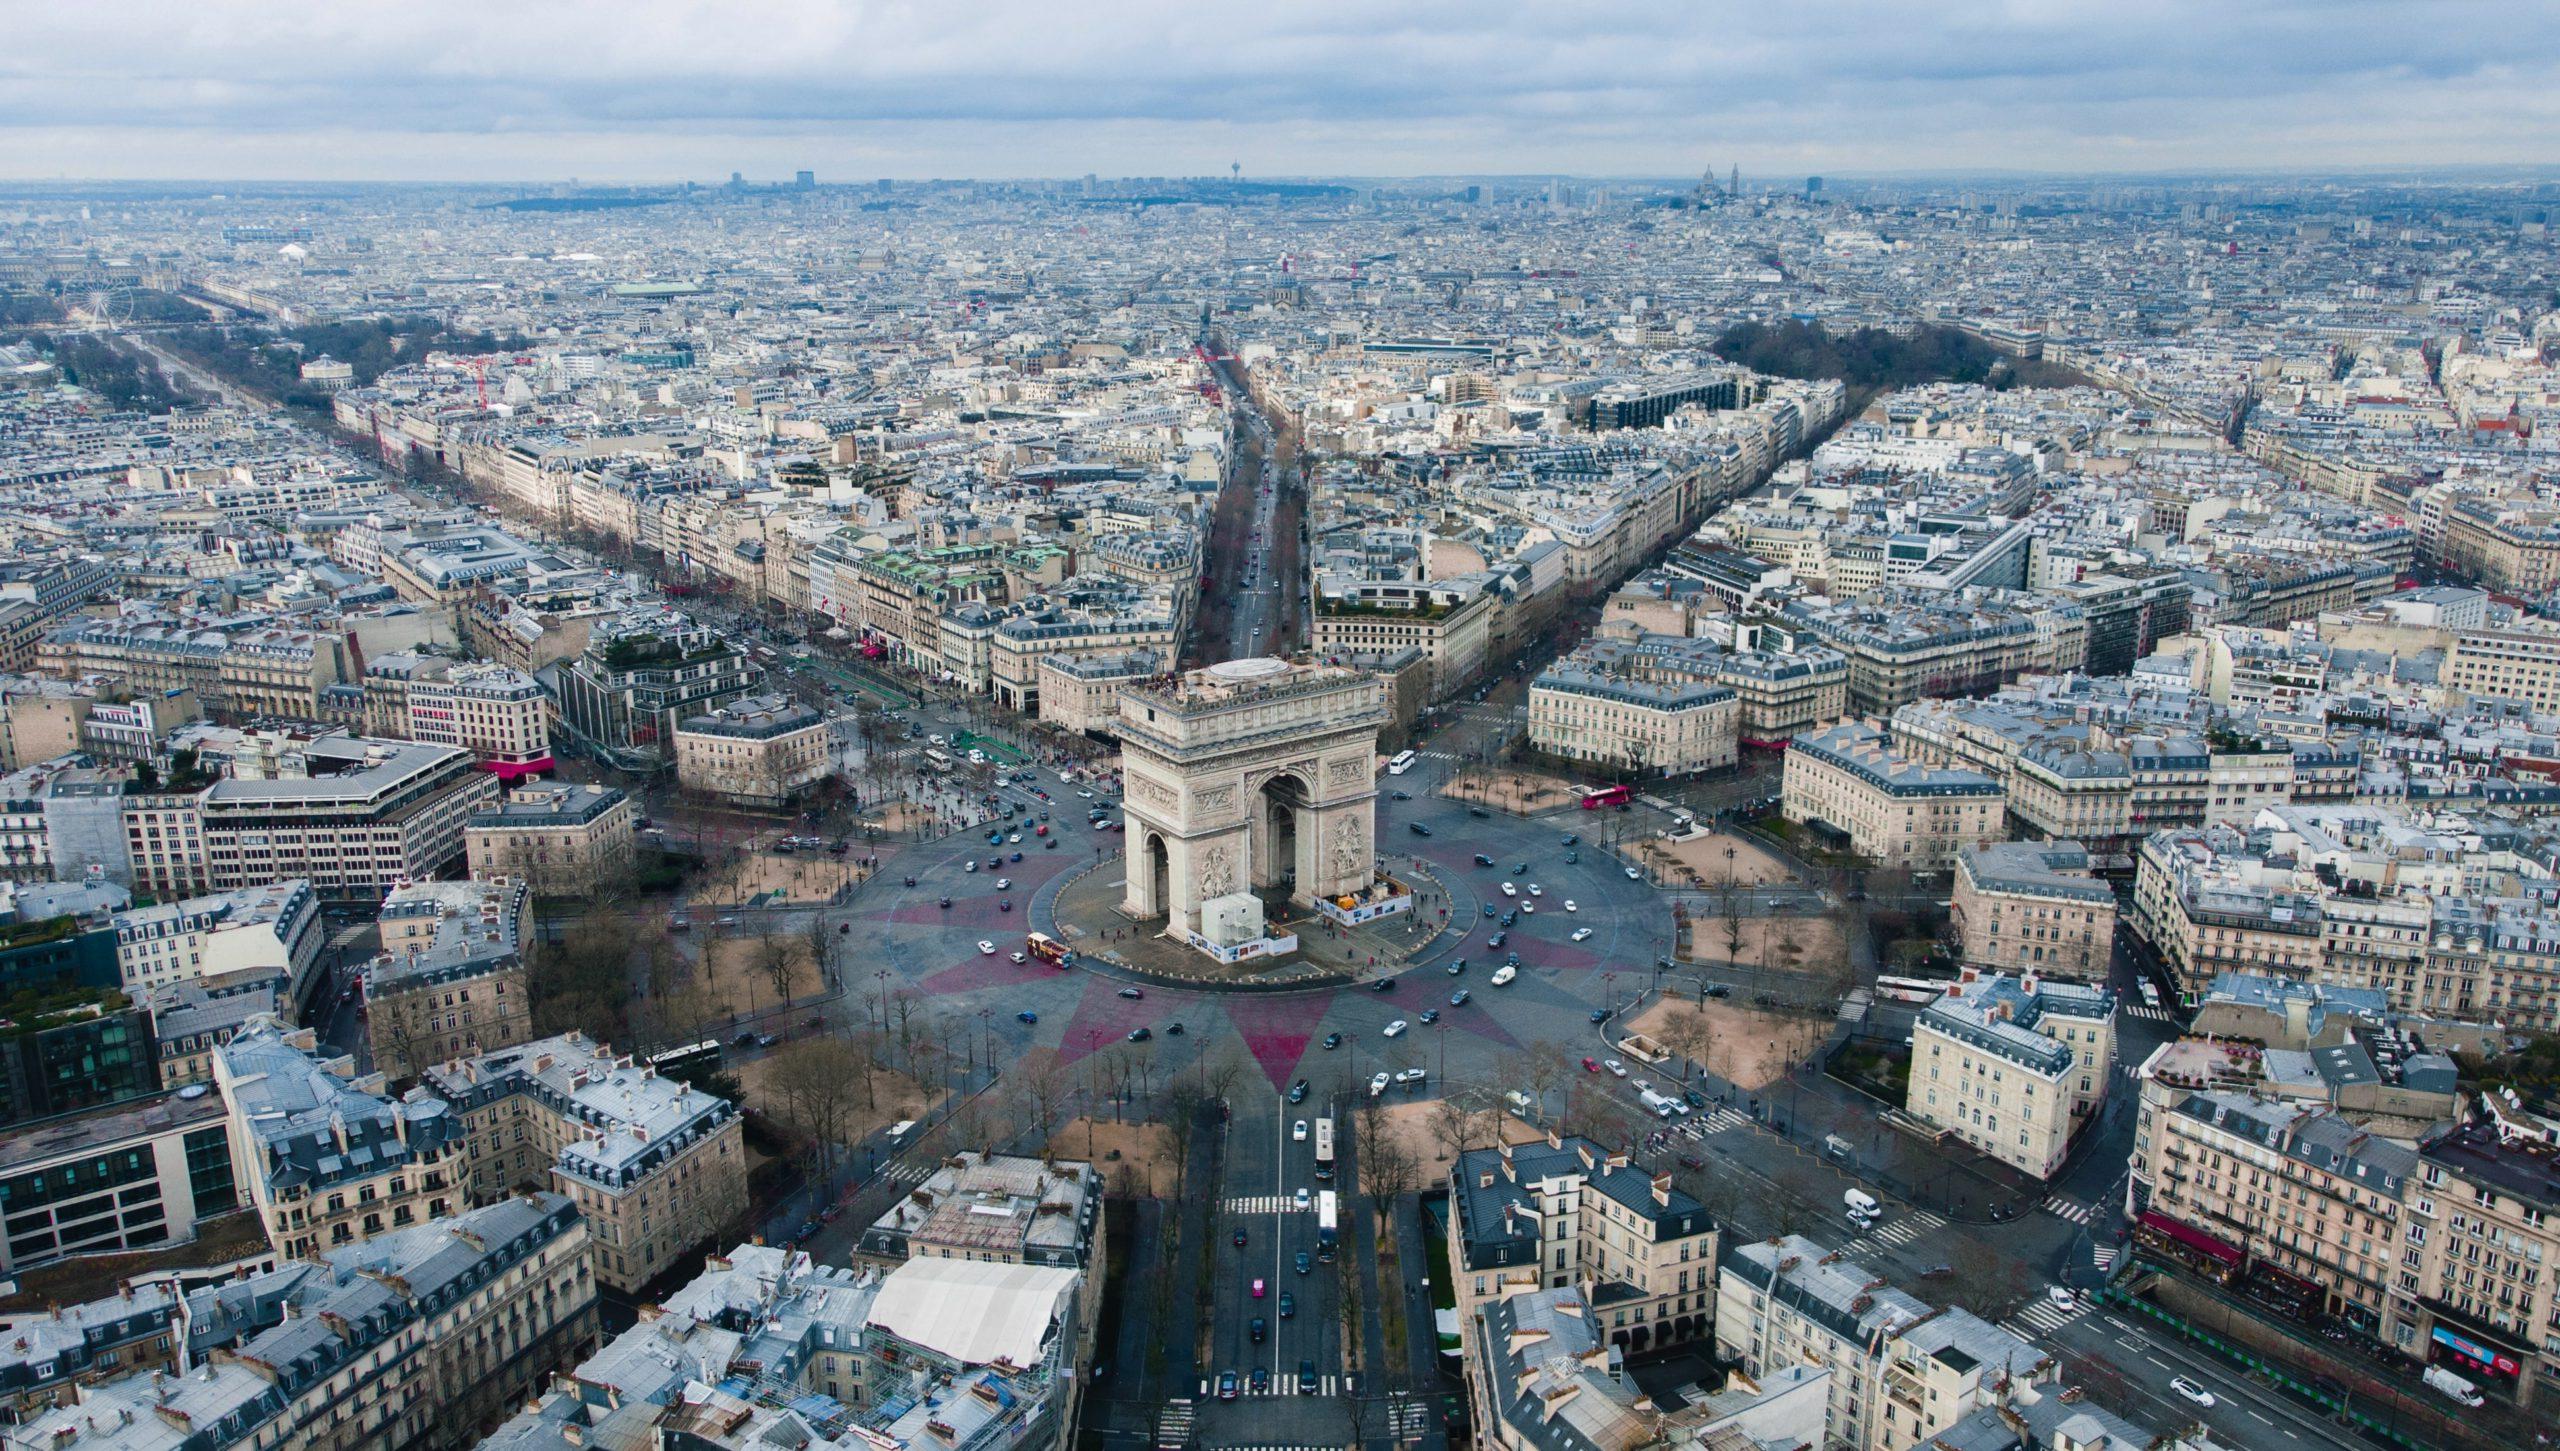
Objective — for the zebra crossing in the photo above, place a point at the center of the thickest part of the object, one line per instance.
(2042, 1318)
(2104, 1257)
(906, 1173)
(1408, 1420)
(1281, 1385)
(1256, 1204)
(1903, 1231)
(1173, 1428)
(2063, 1206)
(2144, 1010)
(1718, 1120)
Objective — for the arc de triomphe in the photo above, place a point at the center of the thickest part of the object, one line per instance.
(1249, 774)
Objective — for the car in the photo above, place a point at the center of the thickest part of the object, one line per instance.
(1301, 1199)
(1497, 939)
(1410, 1075)
(1633, 875)
(1226, 1385)
(1020, 958)
(746, 1039)
(1572, 857)
(1431, 1015)
(1581, 934)
(1488, 909)
(946, 903)
(1132, 993)
(1257, 1289)
(1616, 1068)
(1400, 795)
(1306, 1373)
(1087, 795)
(1017, 856)
(1531, 908)
(1719, 990)
(1458, 965)
(2192, 1391)
(973, 866)
(1478, 811)
(1004, 884)
(1259, 1329)
(1004, 904)
(1383, 985)
(1519, 869)
(1459, 998)
(1509, 890)
(2062, 1296)
(1288, 1305)
(1239, 1236)
(986, 948)
(1536, 891)
(1417, 828)
(1015, 840)
(1026, 1016)
(1571, 905)
(1332, 1040)
(1598, 1015)
(1396, 1028)
(1306, 1262)
(1141, 1035)
(1377, 1084)
(994, 862)
(1298, 1091)
(1298, 1131)
(1482, 860)
(1173, 1029)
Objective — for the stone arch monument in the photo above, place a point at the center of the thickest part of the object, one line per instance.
(1249, 775)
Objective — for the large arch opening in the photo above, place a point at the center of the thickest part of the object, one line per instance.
(1277, 849)
(1157, 898)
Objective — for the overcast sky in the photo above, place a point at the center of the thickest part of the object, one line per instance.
(647, 90)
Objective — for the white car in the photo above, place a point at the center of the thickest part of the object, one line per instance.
(1509, 890)
(2192, 1391)
(1019, 959)
(1535, 890)
(1633, 875)
(1300, 1198)
(1298, 1131)
(2061, 1296)
(1529, 909)
(1504, 974)
(1615, 1067)
(1087, 795)
(986, 948)
(1410, 1075)
(1003, 882)
(1396, 1028)
(1571, 905)
(1377, 1085)
(1581, 934)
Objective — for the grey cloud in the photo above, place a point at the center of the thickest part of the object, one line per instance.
(1310, 87)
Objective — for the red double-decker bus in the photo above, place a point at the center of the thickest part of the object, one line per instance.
(1595, 798)
(1048, 949)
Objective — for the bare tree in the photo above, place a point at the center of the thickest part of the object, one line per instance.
(1686, 1032)
(773, 959)
(1039, 1086)
(812, 1080)
(822, 944)
(1182, 1113)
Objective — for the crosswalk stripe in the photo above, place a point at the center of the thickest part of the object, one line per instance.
(2064, 1207)
(1258, 1204)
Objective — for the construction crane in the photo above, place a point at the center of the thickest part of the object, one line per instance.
(480, 379)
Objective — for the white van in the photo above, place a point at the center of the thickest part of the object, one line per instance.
(1861, 1202)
